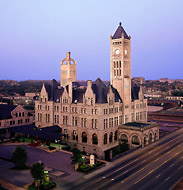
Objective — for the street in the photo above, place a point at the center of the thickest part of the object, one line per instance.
(157, 167)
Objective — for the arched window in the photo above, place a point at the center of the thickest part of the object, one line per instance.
(84, 137)
(105, 138)
(145, 140)
(110, 137)
(135, 140)
(150, 137)
(74, 135)
(155, 136)
(94, 139)
(124, 138)
(116, 135)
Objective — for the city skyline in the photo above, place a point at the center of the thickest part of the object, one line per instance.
(35, 36)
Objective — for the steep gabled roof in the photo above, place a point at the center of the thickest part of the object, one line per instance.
(119, 32)
(5, 111)
(134, 91)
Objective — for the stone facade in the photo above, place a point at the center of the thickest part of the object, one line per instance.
(90, 113)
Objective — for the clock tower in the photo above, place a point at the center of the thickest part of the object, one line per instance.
(120, 64)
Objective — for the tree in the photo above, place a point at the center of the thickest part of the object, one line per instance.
(37, 171)
(19, 157)
(77, 156)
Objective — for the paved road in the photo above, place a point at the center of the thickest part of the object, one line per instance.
(157, 167)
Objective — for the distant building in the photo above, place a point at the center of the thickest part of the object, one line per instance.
(174, 98)
(13, 115)
(170, 115)
(90, 114)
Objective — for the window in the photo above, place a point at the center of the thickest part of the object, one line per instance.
(94, 139)
(64, 119)
(110, 101)
(132, 116)
(116, 135)
(126, 119)
(95, 111)
(23, 114)
(84, 122)
(135, 140)
(95, 123)
(115, 121)
(19, 114)
(105, 138)
(76, 121)
(105, 123)
(72, 120)
(120, 119)
(124, 138)
(56, 118)
(39, 117)
(48, 118)
(110, 137)
(92, 123)
(91, 101)
(84, 137)
(137, 116)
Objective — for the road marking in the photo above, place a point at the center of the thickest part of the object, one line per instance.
(157, 167)
(180, 167)
(171, 165)
(150, 163)
(143, 161)
(112, 179)
(144, 156)
(158, 175)
(167, 178)
(125, 172)
(103, 177)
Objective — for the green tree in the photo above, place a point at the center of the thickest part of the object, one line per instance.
(19, 157)
(37, 171)
(77, 156)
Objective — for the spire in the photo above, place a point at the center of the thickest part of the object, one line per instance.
(120, 30)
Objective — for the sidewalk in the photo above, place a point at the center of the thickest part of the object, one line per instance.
(10, 186)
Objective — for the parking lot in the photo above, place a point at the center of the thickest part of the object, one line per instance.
(57, 163)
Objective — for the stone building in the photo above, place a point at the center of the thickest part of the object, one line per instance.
(13, 115)
(90, 113)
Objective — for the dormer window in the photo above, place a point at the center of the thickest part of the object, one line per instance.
(110, 101)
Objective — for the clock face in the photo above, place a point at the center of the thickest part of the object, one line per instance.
(117, 51)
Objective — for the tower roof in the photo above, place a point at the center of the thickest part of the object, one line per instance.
(120, 30)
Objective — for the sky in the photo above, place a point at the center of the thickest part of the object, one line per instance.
(36, 34)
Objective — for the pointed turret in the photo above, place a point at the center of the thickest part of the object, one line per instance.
(119, 32)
